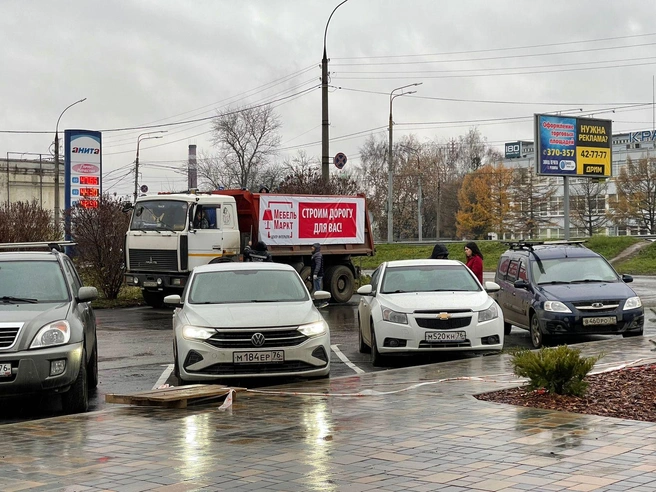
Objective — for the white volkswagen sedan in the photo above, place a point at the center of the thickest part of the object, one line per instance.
(427, 306)
(240, 320)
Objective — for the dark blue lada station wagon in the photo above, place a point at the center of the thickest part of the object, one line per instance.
(564, 288)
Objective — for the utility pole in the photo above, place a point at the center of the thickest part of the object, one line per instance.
(390, 164)
(325, 124)
(143, 136)
(57, 205)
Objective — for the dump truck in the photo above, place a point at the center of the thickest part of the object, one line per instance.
(165, 241)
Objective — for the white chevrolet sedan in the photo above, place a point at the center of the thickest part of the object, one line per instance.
(240, 320)
(427, 306)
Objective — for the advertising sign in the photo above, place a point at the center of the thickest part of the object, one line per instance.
(286, 220)
(83, 168)
(568, 146)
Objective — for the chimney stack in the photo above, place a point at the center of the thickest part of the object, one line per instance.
(192, 176)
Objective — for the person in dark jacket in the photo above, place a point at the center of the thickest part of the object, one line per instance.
(439, 252)
(259, 253)
(317, 266)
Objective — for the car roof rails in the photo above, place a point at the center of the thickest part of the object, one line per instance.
(566, 242)
(527, 245)
(58, 246)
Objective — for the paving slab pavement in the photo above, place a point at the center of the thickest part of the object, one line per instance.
(417, 429)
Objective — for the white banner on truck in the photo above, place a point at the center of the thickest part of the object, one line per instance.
(297, 219)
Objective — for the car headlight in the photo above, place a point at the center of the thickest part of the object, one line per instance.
(55, 333)
(632, 303)
(487, 314)
(394, 317)
(313, 329)
(556, 307)
(191, 332)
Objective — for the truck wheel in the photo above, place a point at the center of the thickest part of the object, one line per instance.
(222, 259)
(306, 275)
(339, 281)
(153, 299)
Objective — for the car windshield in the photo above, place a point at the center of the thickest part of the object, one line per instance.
(429, 278)
(572, 270)
(238, 286)
(159, 215)
(32, 281)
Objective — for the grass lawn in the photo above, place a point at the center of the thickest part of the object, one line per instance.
(644, 263)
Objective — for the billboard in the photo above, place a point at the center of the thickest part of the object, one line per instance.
(298, 219)
(569, 146)
(83, 168)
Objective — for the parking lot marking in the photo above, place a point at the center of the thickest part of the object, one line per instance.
(165, 375)
(345, 360)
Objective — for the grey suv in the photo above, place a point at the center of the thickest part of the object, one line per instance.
(564, 288)
(47, 326)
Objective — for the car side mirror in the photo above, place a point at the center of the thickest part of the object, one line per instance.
(173, 300)
(492, 287)
(627, 278)
(365, 290)
(86, 294)
(521, 284)
(321, 295)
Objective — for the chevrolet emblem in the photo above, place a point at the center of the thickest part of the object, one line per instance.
(444, 316)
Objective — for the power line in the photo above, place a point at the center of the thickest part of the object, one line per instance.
(564, 43)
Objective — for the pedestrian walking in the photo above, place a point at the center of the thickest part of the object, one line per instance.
(474, 260)
(439, 252)
(317, 271)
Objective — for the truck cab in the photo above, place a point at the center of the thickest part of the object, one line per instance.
(170, 234)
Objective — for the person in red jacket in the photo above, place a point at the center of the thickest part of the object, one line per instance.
(474, 260)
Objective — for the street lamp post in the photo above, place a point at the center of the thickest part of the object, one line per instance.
(325, 131)
(390, 163)
(57, 163)
(143, 136)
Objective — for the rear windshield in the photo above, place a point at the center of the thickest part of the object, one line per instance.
(42, 281)
(238, 286)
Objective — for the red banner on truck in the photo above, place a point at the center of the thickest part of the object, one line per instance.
(310, 219)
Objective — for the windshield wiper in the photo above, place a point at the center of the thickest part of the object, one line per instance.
(554, 282)
(588, 280)
(18, 300)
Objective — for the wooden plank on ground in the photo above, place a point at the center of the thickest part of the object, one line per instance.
(173, 397)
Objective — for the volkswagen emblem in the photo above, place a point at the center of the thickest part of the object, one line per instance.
(597, 305)
(257, 339)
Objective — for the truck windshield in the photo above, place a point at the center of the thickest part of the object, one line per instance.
(159, 215)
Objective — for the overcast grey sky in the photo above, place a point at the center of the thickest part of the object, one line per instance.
(482, 63)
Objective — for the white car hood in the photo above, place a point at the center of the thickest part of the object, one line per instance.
(250, 315)
(415, 301)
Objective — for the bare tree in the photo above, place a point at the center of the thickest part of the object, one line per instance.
(27, 222)
(531, 197)
(588, 205)
(308, 180)
(247, 139)
(100, 237)
(636, 194)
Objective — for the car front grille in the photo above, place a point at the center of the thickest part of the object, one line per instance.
(155, 260)
(230, 369)
(443, 324)
(461, 343)
(598, 306)
(243, 338)
(8, 334)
